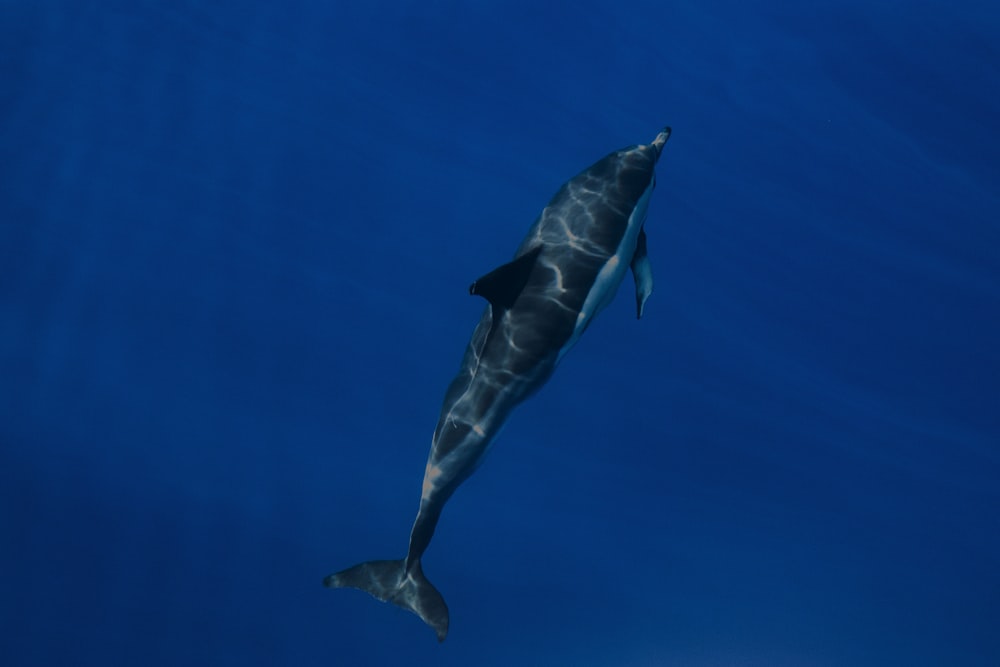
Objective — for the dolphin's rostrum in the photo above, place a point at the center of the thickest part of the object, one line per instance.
(566, 270)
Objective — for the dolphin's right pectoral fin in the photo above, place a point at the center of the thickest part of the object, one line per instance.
(388, 581)
(503, 285)
(642, 271)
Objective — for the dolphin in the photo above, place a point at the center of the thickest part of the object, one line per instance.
(567, 269)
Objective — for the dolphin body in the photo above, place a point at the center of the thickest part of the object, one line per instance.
(566, 270)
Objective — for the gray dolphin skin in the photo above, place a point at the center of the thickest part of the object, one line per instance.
(566, 270)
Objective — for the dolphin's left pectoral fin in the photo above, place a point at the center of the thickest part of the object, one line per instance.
(643, 274)
(503, 285)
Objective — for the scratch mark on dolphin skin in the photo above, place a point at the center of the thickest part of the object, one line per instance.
(431, 474)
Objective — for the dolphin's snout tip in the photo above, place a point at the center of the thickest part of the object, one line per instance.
(661, 139)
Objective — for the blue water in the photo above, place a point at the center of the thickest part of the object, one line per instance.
(235, 242)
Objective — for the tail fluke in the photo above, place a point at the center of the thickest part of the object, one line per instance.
(389, 581)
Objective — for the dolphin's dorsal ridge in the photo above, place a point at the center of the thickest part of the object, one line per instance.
(504, 284)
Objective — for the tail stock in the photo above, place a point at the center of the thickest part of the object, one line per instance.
(390, 581)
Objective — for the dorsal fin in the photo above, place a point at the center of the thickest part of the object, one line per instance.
(503, 285)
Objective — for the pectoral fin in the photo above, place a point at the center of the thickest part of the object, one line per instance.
(503, 285)
(643, 274)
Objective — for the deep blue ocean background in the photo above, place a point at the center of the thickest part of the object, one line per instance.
(235, 243)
